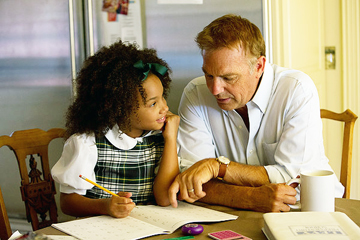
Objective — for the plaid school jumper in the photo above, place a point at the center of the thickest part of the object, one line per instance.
(127, 170)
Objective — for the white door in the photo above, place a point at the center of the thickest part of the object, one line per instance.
(298, 38)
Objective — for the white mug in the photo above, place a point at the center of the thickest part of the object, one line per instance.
(316, 191)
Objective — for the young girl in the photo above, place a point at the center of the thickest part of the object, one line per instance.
(120, 134)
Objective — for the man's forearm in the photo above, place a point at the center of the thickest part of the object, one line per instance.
(265, 198)
(221, 193)
(246, 175)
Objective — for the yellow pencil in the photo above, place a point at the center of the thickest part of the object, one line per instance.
(95, 184)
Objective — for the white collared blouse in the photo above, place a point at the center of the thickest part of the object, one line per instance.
(80, 155)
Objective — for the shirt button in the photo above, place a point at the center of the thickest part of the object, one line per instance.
(251, 151)
(240, 127)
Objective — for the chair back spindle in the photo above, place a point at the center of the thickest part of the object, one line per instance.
(348, 118)
(5, 229)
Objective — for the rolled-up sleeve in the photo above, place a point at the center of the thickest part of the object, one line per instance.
(79, 157)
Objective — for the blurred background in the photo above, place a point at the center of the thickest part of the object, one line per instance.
(43, 45)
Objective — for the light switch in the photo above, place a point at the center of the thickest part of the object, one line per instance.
(329, 57)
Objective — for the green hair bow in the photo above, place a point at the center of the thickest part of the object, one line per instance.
(145, 68)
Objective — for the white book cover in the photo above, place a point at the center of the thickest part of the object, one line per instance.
(309, 225)
(144, 221)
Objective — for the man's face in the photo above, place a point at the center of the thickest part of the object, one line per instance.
(230, 78)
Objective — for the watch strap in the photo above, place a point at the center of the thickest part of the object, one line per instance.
(222, 171)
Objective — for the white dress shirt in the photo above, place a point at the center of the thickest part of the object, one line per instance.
(285, 132)
(80, 156)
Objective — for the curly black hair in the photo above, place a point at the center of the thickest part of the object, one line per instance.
(107, 89)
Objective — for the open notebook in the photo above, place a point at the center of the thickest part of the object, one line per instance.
(144, 221)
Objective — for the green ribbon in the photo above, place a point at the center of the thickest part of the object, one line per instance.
(146, 68)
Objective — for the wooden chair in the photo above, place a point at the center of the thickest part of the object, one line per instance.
(5, 230)
(37, 187)
(349, 118)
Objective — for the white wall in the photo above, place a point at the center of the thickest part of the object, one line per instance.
(334, 101)
(350, 27)
(339, 89)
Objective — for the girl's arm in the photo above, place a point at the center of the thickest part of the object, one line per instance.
(79, 206)
(169, 166)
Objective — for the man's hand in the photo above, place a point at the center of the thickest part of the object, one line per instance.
(273, 197)
(189, 183)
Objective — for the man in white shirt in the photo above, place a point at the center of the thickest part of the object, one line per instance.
(264, 118)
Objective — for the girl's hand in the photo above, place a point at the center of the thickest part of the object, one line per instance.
(121, 206)
(171, 126)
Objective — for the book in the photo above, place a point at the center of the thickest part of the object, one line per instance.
(309, 225)
(144, 221)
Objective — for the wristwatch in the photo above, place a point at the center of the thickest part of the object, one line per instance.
(224, 163)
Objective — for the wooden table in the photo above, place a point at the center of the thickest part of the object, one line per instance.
(249, 223)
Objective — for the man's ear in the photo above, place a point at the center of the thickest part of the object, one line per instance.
(260, 66)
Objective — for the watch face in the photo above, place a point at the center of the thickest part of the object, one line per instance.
(223, 160)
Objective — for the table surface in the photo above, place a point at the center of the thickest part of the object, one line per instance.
(249, 223)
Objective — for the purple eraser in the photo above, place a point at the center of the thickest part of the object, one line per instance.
(192, 229)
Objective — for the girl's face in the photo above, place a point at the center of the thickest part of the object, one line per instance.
(152, 114)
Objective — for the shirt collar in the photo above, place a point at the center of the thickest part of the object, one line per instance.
(263, 93)
(123, 141)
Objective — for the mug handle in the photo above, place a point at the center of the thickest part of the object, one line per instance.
(297, 205)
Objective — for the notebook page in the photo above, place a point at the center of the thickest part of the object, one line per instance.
(170, 218)
(106, 227)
